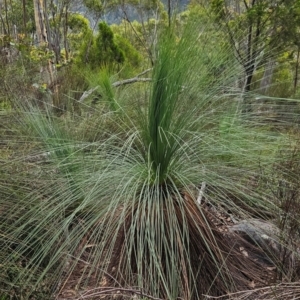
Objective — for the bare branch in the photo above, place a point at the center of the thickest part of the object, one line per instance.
(88, 93)
(144, 72)
(137, 35)
(131, 80)
(118, 83)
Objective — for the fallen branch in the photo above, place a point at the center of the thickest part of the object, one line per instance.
(131, 80)
(88, 93)
(144, 72)
(118, 83)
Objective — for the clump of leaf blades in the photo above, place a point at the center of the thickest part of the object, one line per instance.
(122, 212)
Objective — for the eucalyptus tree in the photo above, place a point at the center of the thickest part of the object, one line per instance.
(16, 18)
(4, 18)
(39, 16)
(251, 27)
(52, 20)
(143, 19)
(289, 27)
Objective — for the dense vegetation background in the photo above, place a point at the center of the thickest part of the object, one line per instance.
(149, 149)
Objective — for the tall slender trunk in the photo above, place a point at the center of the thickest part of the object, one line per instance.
(249, 76)
(296, 70)
(3, 26)
(267, 77)
(66, 32)
(47, 27)
(24, 16)
(39, 21)
(6, 18)
(169, 12)
(237, 7)
(47, 72)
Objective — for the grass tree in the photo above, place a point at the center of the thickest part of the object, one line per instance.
(121, 213)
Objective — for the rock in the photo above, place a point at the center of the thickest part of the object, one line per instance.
(260, 233)
(272, 248)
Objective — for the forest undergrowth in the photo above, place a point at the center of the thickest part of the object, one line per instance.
(132, 195)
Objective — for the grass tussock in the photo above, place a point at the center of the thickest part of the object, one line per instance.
(112, 203)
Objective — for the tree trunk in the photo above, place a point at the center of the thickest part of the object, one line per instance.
(47, 72)
(267, 77)
(40, 22)
(6, 18)
(237, 7)
(296, 71)
(66, 32)
(169, 12)
(47, 26)
(3, 26)
(24, 16)
(248, 82)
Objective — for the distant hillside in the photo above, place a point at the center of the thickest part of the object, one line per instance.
(117, 15)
